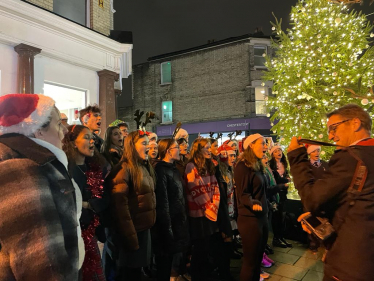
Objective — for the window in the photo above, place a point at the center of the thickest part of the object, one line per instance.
(261, 92)
(167, 111)
(166, 72)
(74, 10)
(259, 58)
(68, 100)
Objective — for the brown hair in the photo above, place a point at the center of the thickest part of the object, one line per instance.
(68, 146)
(107, 144)
(131, 158)
(163, 146)
(89, 109)
(351, 111)
(250, 159)
(202, 164)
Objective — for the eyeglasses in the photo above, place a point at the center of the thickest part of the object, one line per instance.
(332, 128)
(174, 147)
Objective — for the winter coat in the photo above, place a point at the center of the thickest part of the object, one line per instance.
(38, 222)
(351, 256)
(170, 233)
(133, 209)
(223, 219)
(250, 190)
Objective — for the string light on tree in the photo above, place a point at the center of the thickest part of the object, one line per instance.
(323, 61)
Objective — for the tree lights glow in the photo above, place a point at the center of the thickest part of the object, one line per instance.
(322, 62)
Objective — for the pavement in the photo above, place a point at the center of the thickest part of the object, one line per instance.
(296, 263)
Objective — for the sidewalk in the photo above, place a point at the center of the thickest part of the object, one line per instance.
(296, 263)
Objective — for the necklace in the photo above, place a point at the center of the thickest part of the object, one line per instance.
(81, 169)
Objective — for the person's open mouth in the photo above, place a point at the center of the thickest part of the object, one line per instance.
(99, 124)
(92, 147)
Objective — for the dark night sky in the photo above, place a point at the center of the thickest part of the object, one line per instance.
(163, 26)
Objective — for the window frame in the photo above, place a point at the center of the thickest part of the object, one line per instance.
(170, 120)
(266, 51)
(161, 73)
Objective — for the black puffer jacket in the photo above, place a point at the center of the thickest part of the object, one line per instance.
(170, 233)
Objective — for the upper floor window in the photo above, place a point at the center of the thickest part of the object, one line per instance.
(259, 58)
(261, 93)
(167, 111)
(166, 72)
(74, 10)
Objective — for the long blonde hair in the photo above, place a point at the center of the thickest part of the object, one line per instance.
(202, 164)
(131, 158)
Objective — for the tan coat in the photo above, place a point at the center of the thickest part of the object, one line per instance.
(133, 210)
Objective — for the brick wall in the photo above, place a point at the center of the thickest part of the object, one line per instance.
(46, 4)
(209, 84)
(101, 18)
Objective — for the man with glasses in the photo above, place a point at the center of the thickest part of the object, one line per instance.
(350, 210)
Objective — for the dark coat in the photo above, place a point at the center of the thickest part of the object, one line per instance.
(250, 190)
(223, 218)
(170, 233)
(351, 256)
(133, 209)
(38, 220)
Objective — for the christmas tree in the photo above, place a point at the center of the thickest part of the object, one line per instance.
(322, 62)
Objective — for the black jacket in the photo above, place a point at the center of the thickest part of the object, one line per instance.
(250, 190)
(223, 218)
(351, 256)
(170, 232)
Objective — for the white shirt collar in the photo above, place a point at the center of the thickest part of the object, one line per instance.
(60, 154)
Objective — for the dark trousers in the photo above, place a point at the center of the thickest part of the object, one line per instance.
(129, 274)
(221, 252)
(164, 264)
(254, 233)
(200, 267)
(277, 221)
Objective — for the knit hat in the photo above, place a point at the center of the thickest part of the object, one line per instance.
(274, 148)
(311, 148)
(24, 113)
(250, 139)
(182, 133)
(152, 135)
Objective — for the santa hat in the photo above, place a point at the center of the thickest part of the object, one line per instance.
(152, 135)
(274, 148)
(225, 150)
(311, 148)
(251, 138)
(182, 133)
(24, 113)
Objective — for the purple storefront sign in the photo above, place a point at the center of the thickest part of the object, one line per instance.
(218, 126)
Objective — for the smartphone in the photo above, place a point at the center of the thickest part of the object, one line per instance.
(320, 227)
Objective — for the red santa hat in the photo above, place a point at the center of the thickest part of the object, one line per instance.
(224, 151)
(24, 113)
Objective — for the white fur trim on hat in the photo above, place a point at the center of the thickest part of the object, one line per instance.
(152, 143)
(312, 148)
(182, 133)
(250, 139)
(152, 135)
(13, 118)
(274, 148)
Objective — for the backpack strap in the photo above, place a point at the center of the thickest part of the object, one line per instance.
(360, 174)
